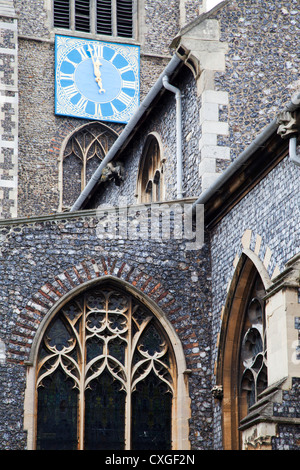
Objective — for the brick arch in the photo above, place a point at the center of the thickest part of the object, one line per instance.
(49, 294)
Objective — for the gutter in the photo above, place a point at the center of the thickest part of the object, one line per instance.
(258, 142)
(145, 105)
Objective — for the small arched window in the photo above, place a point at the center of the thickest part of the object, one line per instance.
(81, 154)
(106, 376)
(150, 183)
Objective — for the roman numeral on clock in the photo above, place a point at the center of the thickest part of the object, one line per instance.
(70, 91)
(98, 112)
(83, 53)
(82, 103)
(127, 68)
(66, 76)
(98, 50)
(128, 84)
(124, 98)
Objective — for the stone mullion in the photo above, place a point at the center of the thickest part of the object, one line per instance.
(114, 17)
(81, 407)
(128, 366)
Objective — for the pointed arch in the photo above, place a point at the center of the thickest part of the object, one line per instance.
(81, 152)
(248, 284)
(165, 365)
(150, 179)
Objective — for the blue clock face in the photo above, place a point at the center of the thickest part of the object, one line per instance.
(96, 80)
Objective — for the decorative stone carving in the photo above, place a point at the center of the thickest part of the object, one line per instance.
(217, 392)
(288, 124)
(113, 171)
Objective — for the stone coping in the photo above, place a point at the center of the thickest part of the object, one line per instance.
(86, 212)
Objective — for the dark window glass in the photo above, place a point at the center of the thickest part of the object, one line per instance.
(57, 413)
(104, 414)
(81, 157)
(111, 352)
(151, 415)
(253, 354)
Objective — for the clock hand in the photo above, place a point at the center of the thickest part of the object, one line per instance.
(98, 78)
(97, 72)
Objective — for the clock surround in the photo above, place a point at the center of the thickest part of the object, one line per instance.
(96, 80)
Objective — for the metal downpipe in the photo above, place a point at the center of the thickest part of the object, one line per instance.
(176, 91)
(293, 151)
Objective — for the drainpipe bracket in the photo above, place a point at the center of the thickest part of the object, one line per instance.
(289, 128)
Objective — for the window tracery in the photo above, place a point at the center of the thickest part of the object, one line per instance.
(105, 376)
(81, 155)
(253, 355)
(242, 357)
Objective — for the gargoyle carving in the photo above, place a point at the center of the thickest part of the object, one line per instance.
(113, 171)
(217, 392)
(289, 123)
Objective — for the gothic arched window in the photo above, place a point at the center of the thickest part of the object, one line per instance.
(82, 153)
(106, 376)
(242, 355)
(150, 184)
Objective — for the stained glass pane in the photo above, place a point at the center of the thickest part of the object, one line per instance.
(94, 348)
(57, 413)
(104, 414)
(152, 341)
(151, 415)
(116, 348)
(99, 345)
(58, 336)
(253, 347)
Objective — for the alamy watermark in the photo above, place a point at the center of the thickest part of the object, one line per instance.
(157, 221)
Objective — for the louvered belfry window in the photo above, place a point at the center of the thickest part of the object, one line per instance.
(105, 17)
